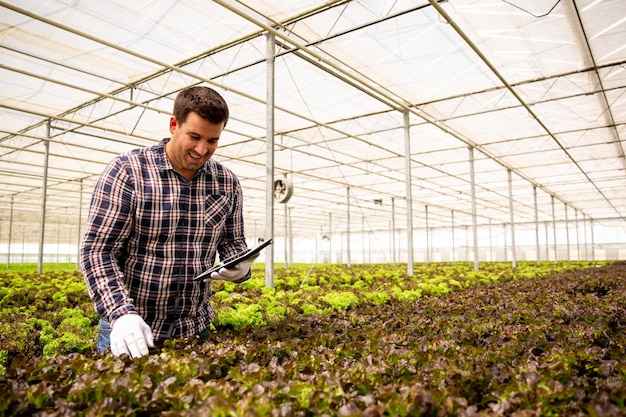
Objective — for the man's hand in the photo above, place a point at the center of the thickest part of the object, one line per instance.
(237, 273)
(131, 335)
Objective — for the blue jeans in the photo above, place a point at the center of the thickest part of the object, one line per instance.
(104, 335)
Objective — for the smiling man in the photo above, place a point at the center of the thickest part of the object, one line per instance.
(158, 217)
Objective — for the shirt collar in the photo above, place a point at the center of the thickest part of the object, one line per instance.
(164, 162)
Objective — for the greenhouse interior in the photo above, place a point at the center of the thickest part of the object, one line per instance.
(362, 131)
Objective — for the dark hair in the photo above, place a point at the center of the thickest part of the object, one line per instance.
(202, 100)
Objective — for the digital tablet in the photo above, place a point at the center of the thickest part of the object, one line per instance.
(235, 260)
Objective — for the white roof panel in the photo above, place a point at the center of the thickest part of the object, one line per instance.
(536, 90)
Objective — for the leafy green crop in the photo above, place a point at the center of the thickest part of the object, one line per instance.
(377, 297)
(3, 361)
(239, 316)
(341, 300)
(364, 341)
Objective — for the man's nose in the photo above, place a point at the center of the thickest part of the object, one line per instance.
(202, 148)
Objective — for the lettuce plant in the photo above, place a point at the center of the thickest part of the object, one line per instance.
(518, 344)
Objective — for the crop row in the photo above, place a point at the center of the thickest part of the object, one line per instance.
(51, 314)
(367, 340)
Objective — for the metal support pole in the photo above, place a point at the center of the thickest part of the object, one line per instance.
(504, 240)
(491, 257)
(567, 232)
(593, 241)
(409, 196)
(467, 243)
(80, 220)
(319, 252)
(44, 196)
(586, 246)
(512, 216)
(330, 237)
(58, 239)
(349, 261)
(556, 254)
(368, 241)
(453, 241)
(269, 158)
(393, 229)
(363, 237)
(23, 243)
(69, 244)
(290, 237)
(473, 192)
(536, 226)
(427, 235)
(547, 242)
(10, 235)
(577, 235)
(286, 232)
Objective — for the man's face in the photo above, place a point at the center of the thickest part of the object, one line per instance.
(193, 143)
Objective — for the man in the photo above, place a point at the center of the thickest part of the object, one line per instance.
(158, 217)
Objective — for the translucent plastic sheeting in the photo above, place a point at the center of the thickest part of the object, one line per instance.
(535, 87)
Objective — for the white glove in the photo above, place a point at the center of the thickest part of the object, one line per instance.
(237, 273)
(131, 335)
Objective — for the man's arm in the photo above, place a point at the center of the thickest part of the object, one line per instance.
(109, 223)
(233, 242)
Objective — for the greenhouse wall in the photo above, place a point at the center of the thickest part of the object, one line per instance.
(608, 243)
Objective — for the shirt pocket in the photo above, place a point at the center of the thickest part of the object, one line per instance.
(216, 209)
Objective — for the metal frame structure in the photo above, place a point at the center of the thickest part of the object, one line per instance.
(377, 99)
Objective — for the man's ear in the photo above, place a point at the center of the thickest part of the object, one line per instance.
(173, 124)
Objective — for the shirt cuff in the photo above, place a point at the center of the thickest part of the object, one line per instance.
(121, 311)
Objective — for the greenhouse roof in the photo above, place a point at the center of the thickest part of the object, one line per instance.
(533, 92)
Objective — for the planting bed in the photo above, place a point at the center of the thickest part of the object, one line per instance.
(337, 341)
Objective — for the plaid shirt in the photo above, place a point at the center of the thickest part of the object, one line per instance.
(150, 232)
